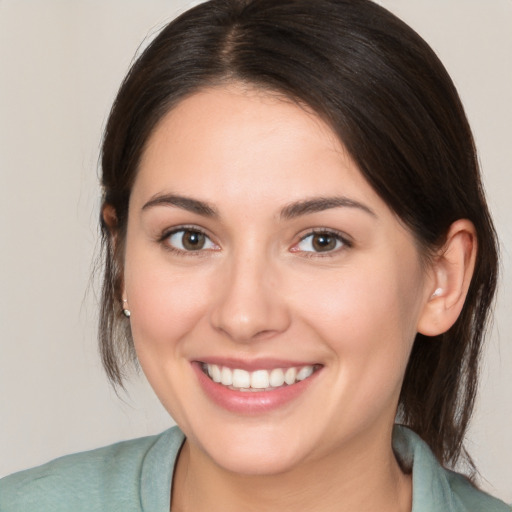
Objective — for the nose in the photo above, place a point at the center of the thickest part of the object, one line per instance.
(250, 304)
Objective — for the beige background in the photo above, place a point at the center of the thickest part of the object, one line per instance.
(60, 65)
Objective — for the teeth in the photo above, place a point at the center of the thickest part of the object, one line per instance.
(259, 379)
(289, 376)
(241, 378)
(276, 378)
(226, 376)
(304, 372)
(214, 372)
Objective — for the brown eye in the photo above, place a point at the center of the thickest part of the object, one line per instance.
(189, 240)
(321, 242)
(324, 242)
(193, 240)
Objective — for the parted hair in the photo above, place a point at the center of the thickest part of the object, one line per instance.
(392, 104)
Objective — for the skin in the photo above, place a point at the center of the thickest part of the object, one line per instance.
(259, 290)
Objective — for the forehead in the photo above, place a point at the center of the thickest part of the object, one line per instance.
(231, 142)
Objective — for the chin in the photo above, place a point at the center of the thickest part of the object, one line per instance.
(261, 463)
(252, 451)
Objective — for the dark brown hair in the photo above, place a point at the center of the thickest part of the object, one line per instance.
(392, 104)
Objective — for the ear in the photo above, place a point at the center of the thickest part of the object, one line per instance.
(451, 275)
(109, 216)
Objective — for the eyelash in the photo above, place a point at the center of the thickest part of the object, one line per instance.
(338, 236)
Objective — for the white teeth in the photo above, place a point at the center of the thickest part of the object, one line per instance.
(276, 377)
(259, 379)
(304, 372)
(241, 379)
(289, 376)
(214, 372)
(226, 376)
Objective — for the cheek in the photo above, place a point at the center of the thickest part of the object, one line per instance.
(165, 304)
(368, 313)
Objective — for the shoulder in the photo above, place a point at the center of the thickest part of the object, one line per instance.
(470, 498)
(436, 489)
(94, 480)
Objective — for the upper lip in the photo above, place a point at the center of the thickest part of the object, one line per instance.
(255, 364)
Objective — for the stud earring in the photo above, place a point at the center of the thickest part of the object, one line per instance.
(437, 292)
(126, 311)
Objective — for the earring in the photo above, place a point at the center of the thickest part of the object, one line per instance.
(126, 311)
(437, 292)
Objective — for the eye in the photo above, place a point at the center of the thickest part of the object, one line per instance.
(321, 241)
(188, 240)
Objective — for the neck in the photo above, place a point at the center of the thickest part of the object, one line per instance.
(362, 477)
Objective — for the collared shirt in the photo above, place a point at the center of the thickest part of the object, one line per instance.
(136, 476)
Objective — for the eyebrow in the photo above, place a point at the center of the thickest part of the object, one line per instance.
(291, 211)
(319, 204)
(186, 203)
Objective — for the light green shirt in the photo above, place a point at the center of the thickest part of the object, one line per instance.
(137, 475)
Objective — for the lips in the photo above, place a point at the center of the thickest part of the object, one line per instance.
(256, 388)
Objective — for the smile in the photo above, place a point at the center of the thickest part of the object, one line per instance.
(259, 380)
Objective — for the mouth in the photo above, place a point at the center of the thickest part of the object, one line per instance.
(261, 380)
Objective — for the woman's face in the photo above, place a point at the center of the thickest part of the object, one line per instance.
(257, 253)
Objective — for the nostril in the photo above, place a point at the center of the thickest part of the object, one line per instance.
(267, 333)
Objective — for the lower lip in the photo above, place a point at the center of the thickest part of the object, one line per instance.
(251, 402)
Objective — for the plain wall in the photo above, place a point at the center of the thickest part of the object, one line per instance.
(61, 63)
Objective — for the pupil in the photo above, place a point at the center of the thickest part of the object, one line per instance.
(193, 241)
(324, 243)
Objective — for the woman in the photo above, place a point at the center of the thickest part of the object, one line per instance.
(297, 252)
